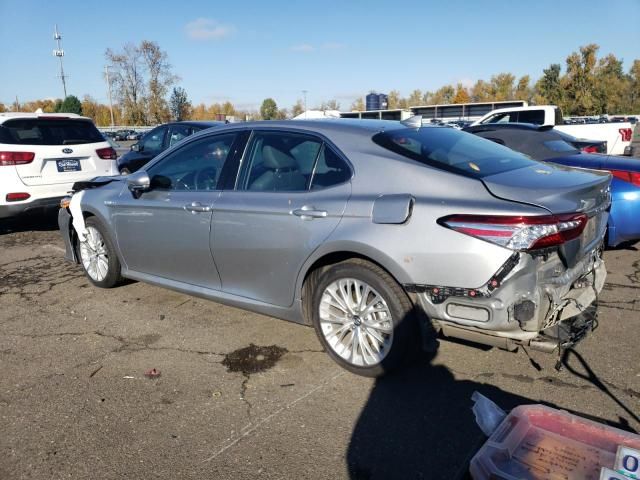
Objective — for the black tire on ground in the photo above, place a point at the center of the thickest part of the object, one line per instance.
(405, 324)
(113, 276)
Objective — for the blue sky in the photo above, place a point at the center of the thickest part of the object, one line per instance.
(248, 50)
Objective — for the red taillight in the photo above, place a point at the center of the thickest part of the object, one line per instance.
(590, 149)
(17, 196)
(107, 153)
(519, 232)
(631, 177)
(625, 133)
(16, 158)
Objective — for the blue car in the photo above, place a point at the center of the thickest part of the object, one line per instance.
(545, 144)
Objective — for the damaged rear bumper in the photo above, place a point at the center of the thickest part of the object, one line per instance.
(522, 304)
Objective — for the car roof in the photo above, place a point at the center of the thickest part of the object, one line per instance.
(4, 116)
(328, 126)
(201, 123)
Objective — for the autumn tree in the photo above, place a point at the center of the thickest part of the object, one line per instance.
(501, 87)
(160, 79)
(269, 109)
(3, 107)
(634, 87)
(481, 92)
(179, 104)
(393, 100)
(612, 86)
(443, 95)
(461, 95)
(523, 90)
(358, 105)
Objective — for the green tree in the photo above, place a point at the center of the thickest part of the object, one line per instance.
(580, 81)
(269, 109)
(179, 104)
(71, 104)
(549, 88)
(415, 99)
(612, 86)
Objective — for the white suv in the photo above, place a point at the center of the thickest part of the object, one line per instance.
(43, 154)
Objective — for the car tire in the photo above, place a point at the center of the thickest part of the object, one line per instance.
(369, 336)
(98, 256)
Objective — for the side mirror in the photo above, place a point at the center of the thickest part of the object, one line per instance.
(136, 147)
(138, 182)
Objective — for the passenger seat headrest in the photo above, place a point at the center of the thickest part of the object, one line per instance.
(275, 159)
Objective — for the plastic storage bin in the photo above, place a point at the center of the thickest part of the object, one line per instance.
(535, 442)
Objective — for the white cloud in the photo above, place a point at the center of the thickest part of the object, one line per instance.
(208, 29)
(303, 47)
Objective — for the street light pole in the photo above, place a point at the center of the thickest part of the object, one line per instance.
(304, 92)
(106, 71)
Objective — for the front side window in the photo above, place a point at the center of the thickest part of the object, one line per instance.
(452, 150)
(279, 162)
(194, 167)
(152, 142)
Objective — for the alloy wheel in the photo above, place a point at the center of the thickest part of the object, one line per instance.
(356, 322)
(94, 255)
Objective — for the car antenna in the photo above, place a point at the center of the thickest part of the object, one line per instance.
(413, 122)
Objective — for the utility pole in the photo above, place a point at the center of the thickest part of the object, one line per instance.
(304, 92)
(106, 71)
(58, 52)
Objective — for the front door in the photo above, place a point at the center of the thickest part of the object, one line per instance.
(166, 231)
(291, 194)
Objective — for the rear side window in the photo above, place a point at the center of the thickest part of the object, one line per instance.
(42, 131)
(452, 150)
(330, 170)
(536, 117)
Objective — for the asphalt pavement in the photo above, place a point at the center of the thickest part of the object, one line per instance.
(240, 395)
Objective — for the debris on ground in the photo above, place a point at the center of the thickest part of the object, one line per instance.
(152, 373)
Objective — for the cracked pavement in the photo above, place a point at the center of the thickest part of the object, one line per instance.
(74, 400)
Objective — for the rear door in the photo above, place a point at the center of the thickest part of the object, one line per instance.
(290, 195)
(65, 149)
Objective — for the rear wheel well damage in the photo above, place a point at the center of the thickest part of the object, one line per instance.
(320, 266)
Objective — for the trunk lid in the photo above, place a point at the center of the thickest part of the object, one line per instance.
(560, 190)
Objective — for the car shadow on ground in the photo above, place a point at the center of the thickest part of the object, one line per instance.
(42, 220)
(418, 423)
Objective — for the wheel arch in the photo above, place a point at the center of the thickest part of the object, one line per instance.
(325, 258)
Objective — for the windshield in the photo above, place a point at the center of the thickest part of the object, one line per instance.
(44, 131)
(452, 150)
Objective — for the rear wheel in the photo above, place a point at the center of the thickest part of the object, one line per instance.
(98, 257)
(363, 318)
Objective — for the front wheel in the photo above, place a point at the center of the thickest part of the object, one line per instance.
(363, 318)
(98, 257)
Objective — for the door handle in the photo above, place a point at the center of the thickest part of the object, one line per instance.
(197, 207)
(307, 212)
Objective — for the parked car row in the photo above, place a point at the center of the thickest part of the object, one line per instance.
(374, 233)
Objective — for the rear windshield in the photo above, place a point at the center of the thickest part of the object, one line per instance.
(43, 131)
(452, 150)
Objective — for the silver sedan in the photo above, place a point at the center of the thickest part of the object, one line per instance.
(375, 233)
